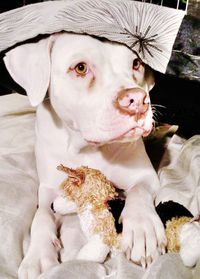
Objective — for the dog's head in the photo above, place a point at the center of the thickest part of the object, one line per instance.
(96, 87)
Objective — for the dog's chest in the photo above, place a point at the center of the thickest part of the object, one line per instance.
(117, 162)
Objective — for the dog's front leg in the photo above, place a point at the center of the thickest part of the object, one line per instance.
(43, 250)
(143, 235)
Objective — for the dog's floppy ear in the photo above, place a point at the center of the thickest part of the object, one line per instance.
(29, 65)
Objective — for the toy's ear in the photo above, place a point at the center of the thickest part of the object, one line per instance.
(77, 175)
(29, 65)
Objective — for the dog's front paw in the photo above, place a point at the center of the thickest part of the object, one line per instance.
(143, 235)
(40, 257)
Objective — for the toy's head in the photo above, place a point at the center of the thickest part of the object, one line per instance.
(87, 186)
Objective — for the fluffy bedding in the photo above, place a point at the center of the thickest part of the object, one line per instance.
(180, 181)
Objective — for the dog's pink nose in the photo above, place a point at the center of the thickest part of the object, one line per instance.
(133, 101)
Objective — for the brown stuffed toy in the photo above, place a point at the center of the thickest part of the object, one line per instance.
(91, 192)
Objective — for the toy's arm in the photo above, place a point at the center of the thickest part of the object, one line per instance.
(64, 206)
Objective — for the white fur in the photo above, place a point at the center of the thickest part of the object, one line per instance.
(80, 125)
(95, 249)
(64, 206)
(190, 243)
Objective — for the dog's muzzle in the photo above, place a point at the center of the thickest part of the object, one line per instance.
(133, 105)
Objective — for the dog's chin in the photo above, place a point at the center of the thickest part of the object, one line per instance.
(128, 137)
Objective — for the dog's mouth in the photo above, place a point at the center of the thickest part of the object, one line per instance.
(128, 136)
(134, 133)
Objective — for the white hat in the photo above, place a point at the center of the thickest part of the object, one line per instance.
(148, 29)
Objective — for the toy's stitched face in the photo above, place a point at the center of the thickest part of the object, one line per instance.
(100, 89)
(85, 192)
(85, 185)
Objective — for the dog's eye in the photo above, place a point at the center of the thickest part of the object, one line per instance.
(81, 69)
(136, 64)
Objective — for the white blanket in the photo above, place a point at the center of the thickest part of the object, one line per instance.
(18, 201)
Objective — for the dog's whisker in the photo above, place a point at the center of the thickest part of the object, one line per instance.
(157, 105)
(154, 126)
(158, 113)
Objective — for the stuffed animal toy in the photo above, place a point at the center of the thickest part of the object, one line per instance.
(182, 231)
(91, 195)
(90, 191)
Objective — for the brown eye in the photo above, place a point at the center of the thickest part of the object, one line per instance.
(136, 64)
(81, 68)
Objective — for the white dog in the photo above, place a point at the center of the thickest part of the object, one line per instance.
(97, 113)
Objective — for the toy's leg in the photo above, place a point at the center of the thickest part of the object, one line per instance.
(190, 243)
(95, 250)
(71, 236)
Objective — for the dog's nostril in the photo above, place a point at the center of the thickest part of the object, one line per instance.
(131, 101)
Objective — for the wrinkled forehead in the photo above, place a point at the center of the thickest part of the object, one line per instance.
(76, 47)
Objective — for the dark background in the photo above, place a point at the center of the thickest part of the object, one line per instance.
(178, 98)
(6, 5)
